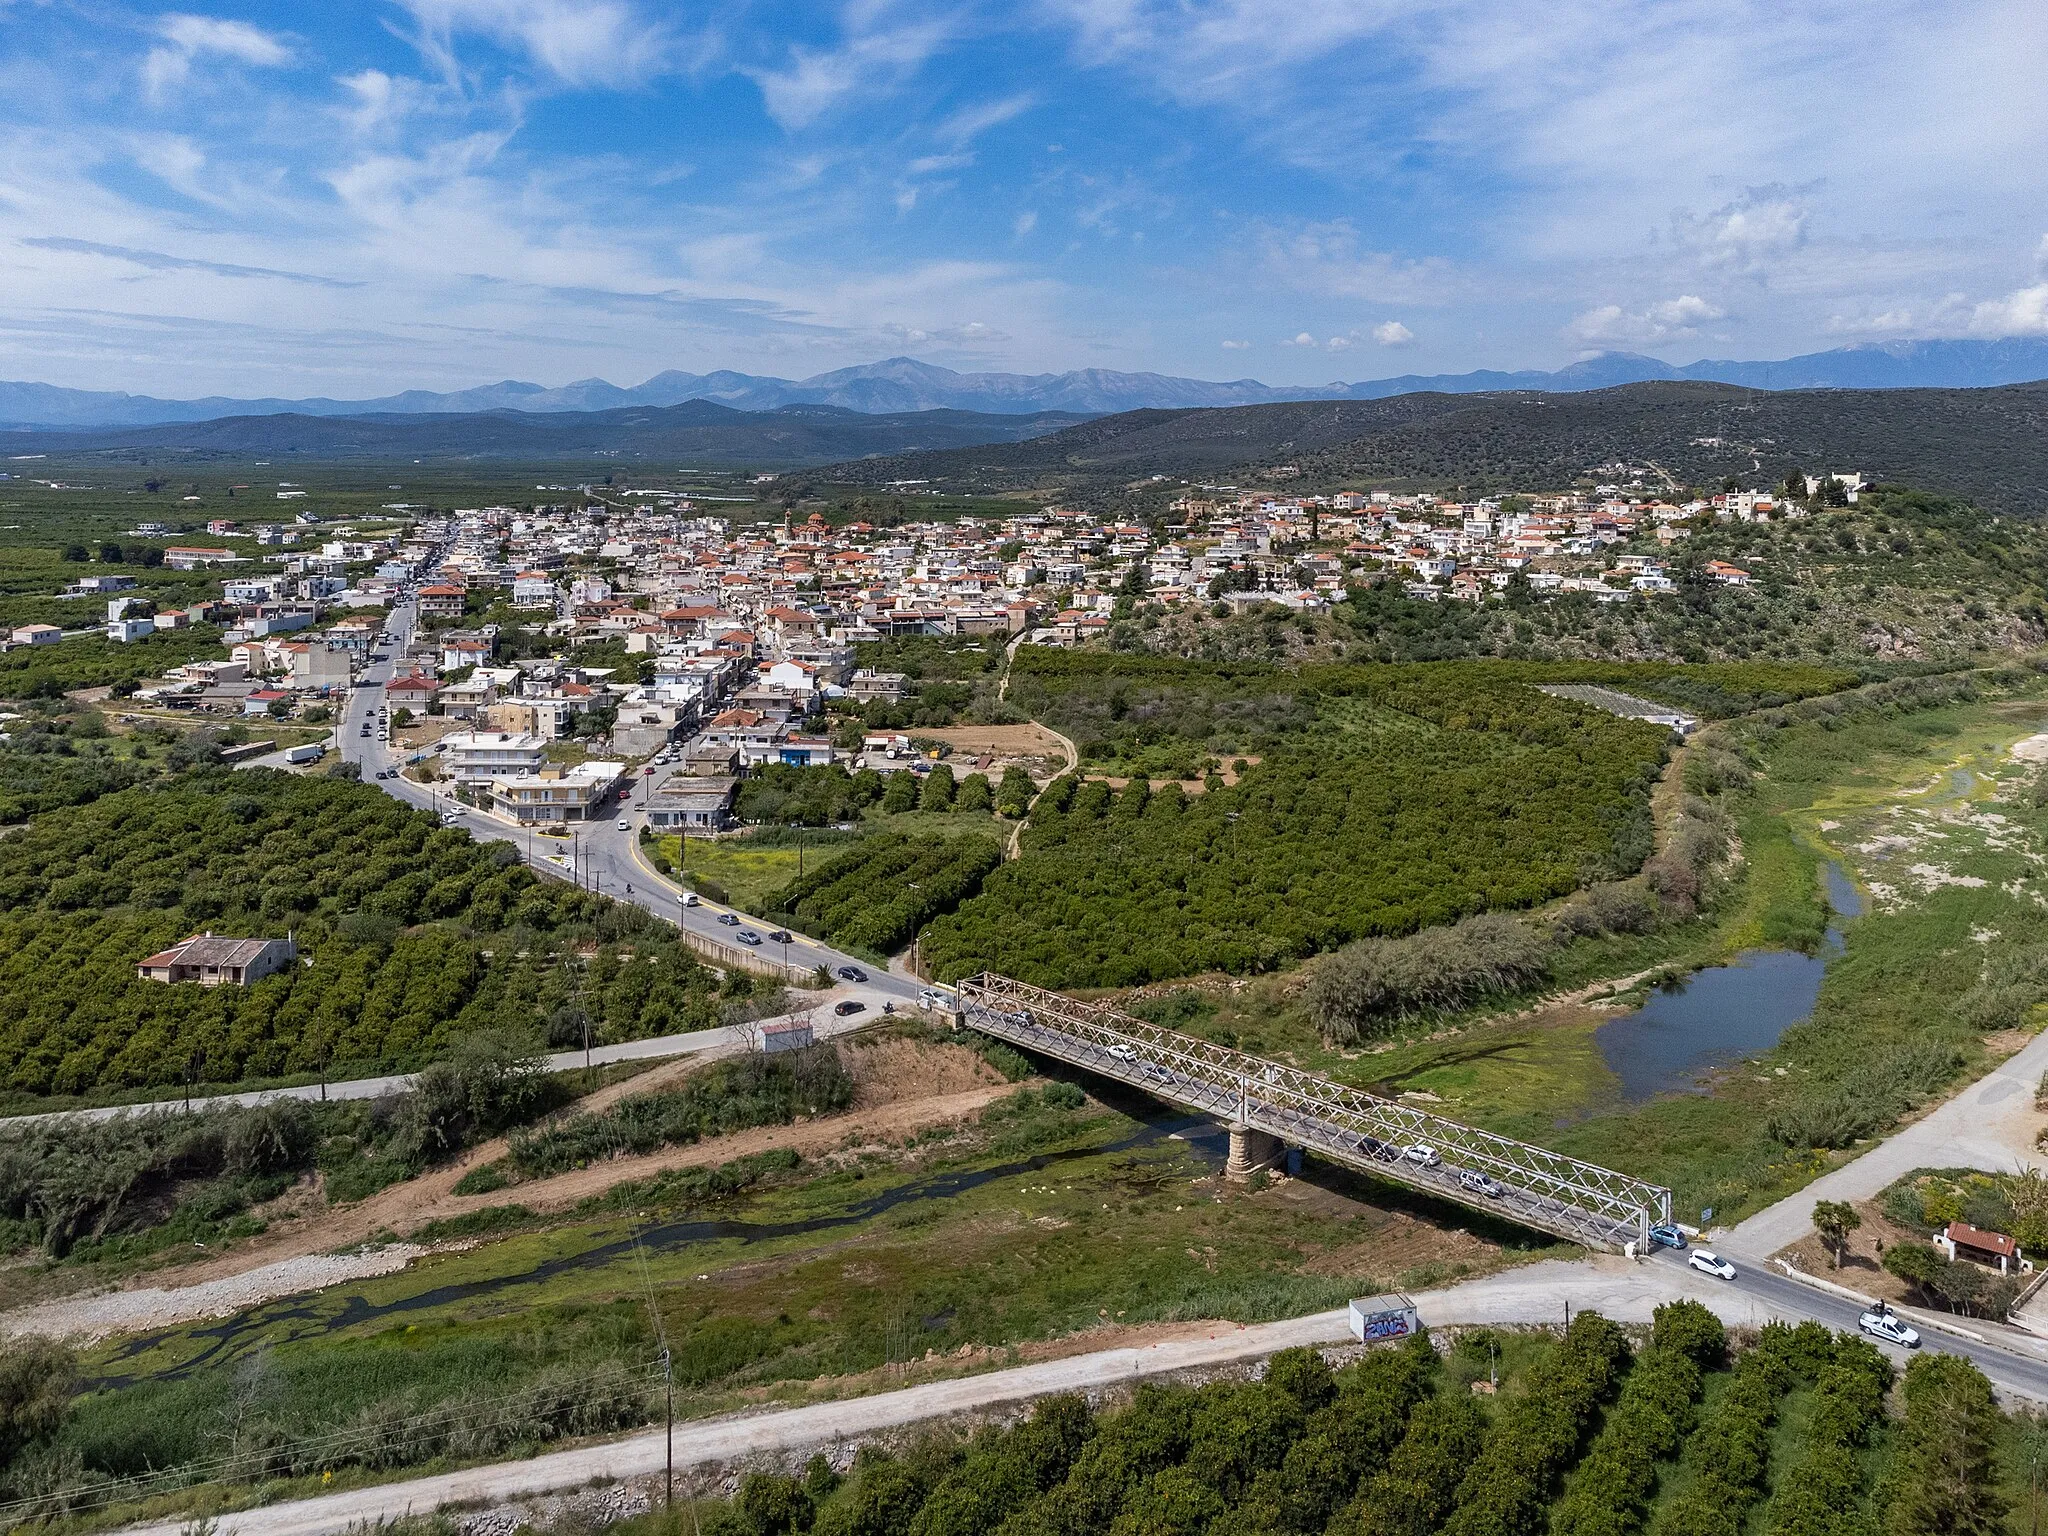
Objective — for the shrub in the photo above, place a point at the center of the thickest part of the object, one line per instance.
(733, 1095)
(1365, 988)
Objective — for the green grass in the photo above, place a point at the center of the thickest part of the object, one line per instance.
(1083, 1226)
(747, 876)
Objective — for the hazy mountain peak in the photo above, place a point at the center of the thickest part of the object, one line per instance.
(906, 384)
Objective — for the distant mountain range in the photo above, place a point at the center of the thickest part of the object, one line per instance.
(902, 384)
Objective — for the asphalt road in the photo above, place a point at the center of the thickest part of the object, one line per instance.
(698, 1042)
(1540, 1293)
(599, 855)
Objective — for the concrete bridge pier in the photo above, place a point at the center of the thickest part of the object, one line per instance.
(1251, 1150)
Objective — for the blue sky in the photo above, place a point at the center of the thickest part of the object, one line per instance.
(352, 198)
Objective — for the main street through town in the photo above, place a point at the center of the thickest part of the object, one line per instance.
(598, 854)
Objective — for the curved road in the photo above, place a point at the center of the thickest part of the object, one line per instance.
(605, 858)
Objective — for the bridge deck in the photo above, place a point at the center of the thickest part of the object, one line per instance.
(1531, 1185)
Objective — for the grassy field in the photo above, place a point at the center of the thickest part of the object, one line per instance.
(751, 870)
(1052, 1216)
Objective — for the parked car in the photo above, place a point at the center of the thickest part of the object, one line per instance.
(1707, 1262)
(1883, 1323)
(1664, 1236)
(728, 919)
(849, 1008)
(748, 937)
(1480, 1184)
(1423, 1155)
(851, 973)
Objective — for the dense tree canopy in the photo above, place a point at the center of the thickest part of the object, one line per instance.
(412, 933)
(1422, 795)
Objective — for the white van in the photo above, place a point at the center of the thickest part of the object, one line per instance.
(690, 899)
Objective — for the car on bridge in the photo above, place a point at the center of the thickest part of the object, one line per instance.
(748, 937)
(1373, 1147)
(1479, 1184)
(1881, 1322)
(1707, 1262)
(1122, 1053)
(730, 920)
(779, 936)
(1423, 1155)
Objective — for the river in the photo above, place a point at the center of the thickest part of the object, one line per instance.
(1724, 1013)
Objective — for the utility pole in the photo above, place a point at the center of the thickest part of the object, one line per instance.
(668, 1377)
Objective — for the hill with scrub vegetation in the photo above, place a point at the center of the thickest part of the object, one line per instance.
(1985, 444)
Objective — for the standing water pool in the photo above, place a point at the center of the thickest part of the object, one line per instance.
(1723, 1013)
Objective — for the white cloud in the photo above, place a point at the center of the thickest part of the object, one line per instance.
(1328, 260)
(817, 80)
(1668, 319)
(1025, 222)
(1303, 339)
(187, 38)
(2023, 312)
(1338, 344)
(1392, 333)
(1237, 346)
(580, 42)
(970, 123)
(1748, 235)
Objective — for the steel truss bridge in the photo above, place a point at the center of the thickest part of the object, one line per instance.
(1538, 1188)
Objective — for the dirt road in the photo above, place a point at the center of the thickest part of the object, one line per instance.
(901, 1087)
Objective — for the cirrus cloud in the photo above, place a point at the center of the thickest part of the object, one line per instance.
(187, 38)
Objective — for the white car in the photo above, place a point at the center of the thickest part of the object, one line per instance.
(1123, 1053)
(689, 898)
(1423, 1155)
(625, 826)
(1886, 1324)
(1708, 1262)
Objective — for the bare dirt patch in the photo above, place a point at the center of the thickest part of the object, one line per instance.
(1863, 1256)
(813, 1138)
(899, 1071)
(1029, 740)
